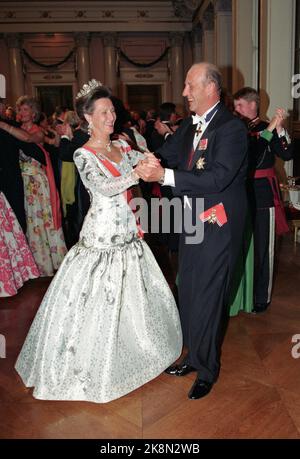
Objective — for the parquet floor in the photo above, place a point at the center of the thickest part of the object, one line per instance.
(256, 396)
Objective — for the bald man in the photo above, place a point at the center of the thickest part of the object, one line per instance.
(207, 165)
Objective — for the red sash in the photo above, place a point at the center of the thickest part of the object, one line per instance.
(190, 158)
(128, 193)
(280, 218)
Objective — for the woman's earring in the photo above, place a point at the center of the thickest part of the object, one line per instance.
(90, 128)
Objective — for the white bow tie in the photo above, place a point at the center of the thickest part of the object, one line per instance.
(197, 119)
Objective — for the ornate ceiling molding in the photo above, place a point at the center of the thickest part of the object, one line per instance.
(97, 16)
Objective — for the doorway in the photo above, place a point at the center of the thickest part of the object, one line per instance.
(52, 96)
(143, 97)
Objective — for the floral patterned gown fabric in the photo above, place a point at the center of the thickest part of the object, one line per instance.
(108, 322)
(47, 244)
(16, 261)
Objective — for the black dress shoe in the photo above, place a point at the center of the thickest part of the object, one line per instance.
(180, 370)
(199, 389)
(260, 307)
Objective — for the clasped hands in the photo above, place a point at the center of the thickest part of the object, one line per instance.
(149, 169)
(277, 122)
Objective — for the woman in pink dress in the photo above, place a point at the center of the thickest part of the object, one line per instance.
(16, 261)
(42, 205)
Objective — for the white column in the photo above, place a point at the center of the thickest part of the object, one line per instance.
(15, 66)
(244, 44)
(83, 59)
(110, 55)
(223, 36)
(177, 67)
(277, 31)
(197, 34)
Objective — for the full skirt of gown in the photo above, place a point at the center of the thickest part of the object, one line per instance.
(101, 332)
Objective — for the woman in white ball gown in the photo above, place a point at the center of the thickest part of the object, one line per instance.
(108, 323)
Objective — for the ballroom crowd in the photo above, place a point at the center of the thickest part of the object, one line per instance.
(43, 202)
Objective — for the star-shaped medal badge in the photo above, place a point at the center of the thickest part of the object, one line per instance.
(200, 163)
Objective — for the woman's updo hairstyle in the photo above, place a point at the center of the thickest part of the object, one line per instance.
(86, 98)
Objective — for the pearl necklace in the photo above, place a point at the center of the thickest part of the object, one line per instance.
(107, 146)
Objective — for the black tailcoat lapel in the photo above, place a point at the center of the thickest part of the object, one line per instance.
(207, 134)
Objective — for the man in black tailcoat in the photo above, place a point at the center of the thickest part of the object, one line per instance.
(208, 160)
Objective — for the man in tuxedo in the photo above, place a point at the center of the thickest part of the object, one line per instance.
(207, 163)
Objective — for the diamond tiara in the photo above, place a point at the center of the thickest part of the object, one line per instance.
(88, 87)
